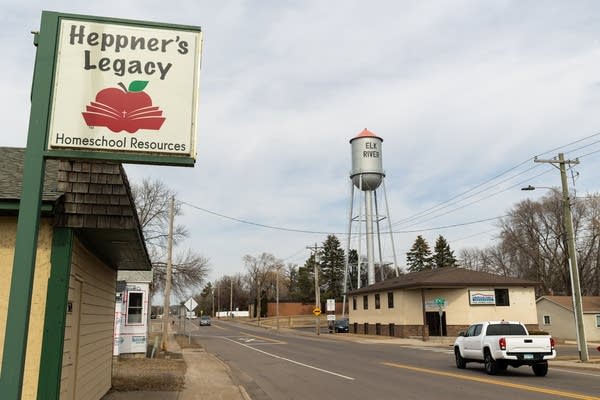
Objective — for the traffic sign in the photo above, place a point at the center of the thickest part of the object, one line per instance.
(330, 317)
(191, 304)
(317, 311)
(330, 304)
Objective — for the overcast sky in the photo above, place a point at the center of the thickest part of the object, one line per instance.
(460, 91)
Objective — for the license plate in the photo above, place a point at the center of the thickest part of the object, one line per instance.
(528, 356)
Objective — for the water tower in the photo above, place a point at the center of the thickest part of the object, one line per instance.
(367, 175)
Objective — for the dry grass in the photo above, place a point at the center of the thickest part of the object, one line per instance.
(165, 372)
(152, 374)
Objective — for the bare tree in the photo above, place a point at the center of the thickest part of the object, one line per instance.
(231, 289)
(532, 244)
(260, 271)
(190, 268)
(151, 199)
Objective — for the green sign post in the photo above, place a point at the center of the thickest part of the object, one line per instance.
(104, 89)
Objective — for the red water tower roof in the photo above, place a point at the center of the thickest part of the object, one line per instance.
(365, 133)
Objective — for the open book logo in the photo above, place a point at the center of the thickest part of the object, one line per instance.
(124, 109)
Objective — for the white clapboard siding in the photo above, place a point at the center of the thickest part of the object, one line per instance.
(87, 358)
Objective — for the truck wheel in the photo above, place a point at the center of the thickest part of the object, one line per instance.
(491, 366)
(540, 369)
(460, 361)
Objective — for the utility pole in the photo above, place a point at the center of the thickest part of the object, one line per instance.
(230, 296)
(167, 305)
(218, 301)
(213, 301)
(573, 268)
(277, 294)
(316, 248)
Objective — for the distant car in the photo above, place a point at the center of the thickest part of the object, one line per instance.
(204, 320)
(341, 326)
(190, 315)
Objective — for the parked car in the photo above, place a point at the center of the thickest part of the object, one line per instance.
(341, 326)
(498, 344)
(204, 320)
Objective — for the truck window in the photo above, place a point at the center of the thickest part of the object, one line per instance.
(477, 330)
(505, 330)
(471, 331)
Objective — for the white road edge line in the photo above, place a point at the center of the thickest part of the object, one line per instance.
(291, 361)
(562, 369)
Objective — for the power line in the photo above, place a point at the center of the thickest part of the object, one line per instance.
(437, 207)
(481, 199)
(402, 222)
(323, 232)
(452, 225)
(588, 154)
(426, 212)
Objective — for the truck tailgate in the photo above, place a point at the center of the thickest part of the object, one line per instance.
(528, 344)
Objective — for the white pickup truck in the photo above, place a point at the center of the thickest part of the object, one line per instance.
(499, 344)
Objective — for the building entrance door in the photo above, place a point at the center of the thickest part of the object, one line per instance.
(433, 323)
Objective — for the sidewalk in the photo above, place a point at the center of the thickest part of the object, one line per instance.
(206, 378)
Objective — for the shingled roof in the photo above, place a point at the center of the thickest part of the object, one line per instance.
(93, 197)
(11, 173)
(448, 277)
(590, 304)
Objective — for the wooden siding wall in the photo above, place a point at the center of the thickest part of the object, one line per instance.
(8, 228)
(88, 358)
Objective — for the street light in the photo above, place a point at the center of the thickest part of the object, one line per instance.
(573, 269)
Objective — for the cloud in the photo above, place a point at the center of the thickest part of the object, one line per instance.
(459, 93)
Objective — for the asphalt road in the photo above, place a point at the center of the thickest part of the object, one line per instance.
(284, 365)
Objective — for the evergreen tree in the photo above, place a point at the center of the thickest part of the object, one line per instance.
(306, 282)
(442, 255)
(331, 260)
(419, 256)
(291, 280)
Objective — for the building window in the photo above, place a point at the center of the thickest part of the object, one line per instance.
(135, 305)
(377, 302)
(546, 320)
(501, 297)
(390, 299)
(354, 303)
(598, 321)
(365, 302)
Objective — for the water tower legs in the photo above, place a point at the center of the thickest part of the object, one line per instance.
(369, 236)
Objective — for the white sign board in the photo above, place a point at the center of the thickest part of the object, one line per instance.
(125, 88)
(191, 304)
(330, 305)
(482, 297)
(330, 317)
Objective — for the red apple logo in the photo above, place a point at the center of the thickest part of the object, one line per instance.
(124, 109)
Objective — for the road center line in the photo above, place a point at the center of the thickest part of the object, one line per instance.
(570, 395)
(290, 361)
